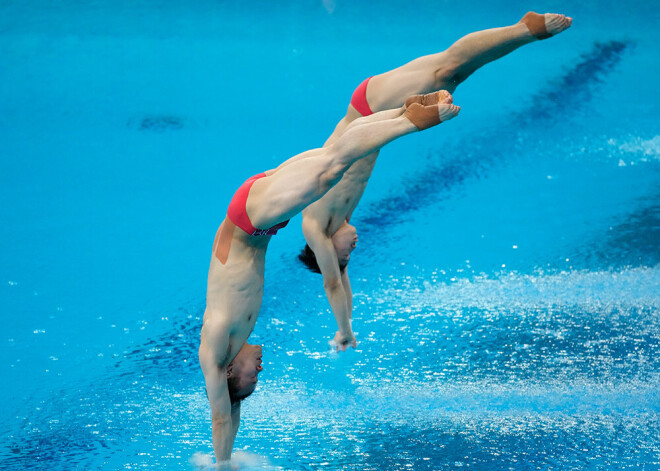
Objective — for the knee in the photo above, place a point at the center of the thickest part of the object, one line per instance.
(331, 177)
(448, 76)
(452, 70)
(334, 168)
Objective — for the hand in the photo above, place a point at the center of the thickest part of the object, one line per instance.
(343, 341)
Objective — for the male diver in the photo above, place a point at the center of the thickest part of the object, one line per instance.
(326, 223)
(259, 208)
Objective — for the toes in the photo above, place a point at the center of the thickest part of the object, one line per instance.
(448, 112)
(445, 97)
(556, 23)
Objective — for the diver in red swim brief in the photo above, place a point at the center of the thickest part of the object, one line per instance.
(325, 222)
(237, 213)
(359, 99)
(235, 286)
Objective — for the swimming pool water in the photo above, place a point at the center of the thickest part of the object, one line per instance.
(506, 283)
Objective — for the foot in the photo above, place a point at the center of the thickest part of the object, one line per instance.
(435, 98)
(545, 26)
(424, 117)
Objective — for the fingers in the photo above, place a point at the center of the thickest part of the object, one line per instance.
(344, 345)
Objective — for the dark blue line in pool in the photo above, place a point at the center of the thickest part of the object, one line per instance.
(157, 123)
(468, 159)
(634, 241)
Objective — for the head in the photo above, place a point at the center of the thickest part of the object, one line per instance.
(344, 242)
(243, 371)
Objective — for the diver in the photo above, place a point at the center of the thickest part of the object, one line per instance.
(326, 223)
(259, 208)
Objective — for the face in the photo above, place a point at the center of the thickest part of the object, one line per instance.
(345, 240)
(246, 366)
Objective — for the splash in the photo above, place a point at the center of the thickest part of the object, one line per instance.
(627, 287)
(638, 150)
(240, 461)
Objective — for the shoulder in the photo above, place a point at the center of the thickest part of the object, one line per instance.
(215, 340)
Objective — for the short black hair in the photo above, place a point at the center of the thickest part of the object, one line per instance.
(308, 258)
(232, 387)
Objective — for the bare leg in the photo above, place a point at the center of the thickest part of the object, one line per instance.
(380, 116)
(429, 99)
(439, 97)
(292, 187)
(372, 118)
(445, 70)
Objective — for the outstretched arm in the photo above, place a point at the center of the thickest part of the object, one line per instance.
(224, 419)
(346, 283)
(235, 420)
(333, 282)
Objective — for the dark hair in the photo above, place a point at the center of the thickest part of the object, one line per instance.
(308, 258)
(232, 387)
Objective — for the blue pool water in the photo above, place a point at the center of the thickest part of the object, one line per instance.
(507, 286)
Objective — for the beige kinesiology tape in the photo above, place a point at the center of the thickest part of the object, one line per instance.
(536, 25)
(423, 117)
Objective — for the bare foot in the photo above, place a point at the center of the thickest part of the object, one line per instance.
(424, 117)
(545, 26)
(447, 111)
(556, 23)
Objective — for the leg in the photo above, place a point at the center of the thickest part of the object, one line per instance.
(353, 118)
(292, 187)
(447, 69)
(343, 125)
(429, 99)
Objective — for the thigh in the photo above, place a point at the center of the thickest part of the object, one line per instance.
(289, 189)
(420, 76)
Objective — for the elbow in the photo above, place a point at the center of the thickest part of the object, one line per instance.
(332, 284)
(220, 420)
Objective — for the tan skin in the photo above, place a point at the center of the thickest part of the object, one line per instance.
(328, 217)
(236, 274)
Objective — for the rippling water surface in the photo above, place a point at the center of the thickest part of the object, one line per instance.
(507, 286)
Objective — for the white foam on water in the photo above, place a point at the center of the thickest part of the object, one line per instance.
(202, 461)
(596, 289)
(240, 461)
(625, 150)
(638, 145)
(485, 397)
(428, 402)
